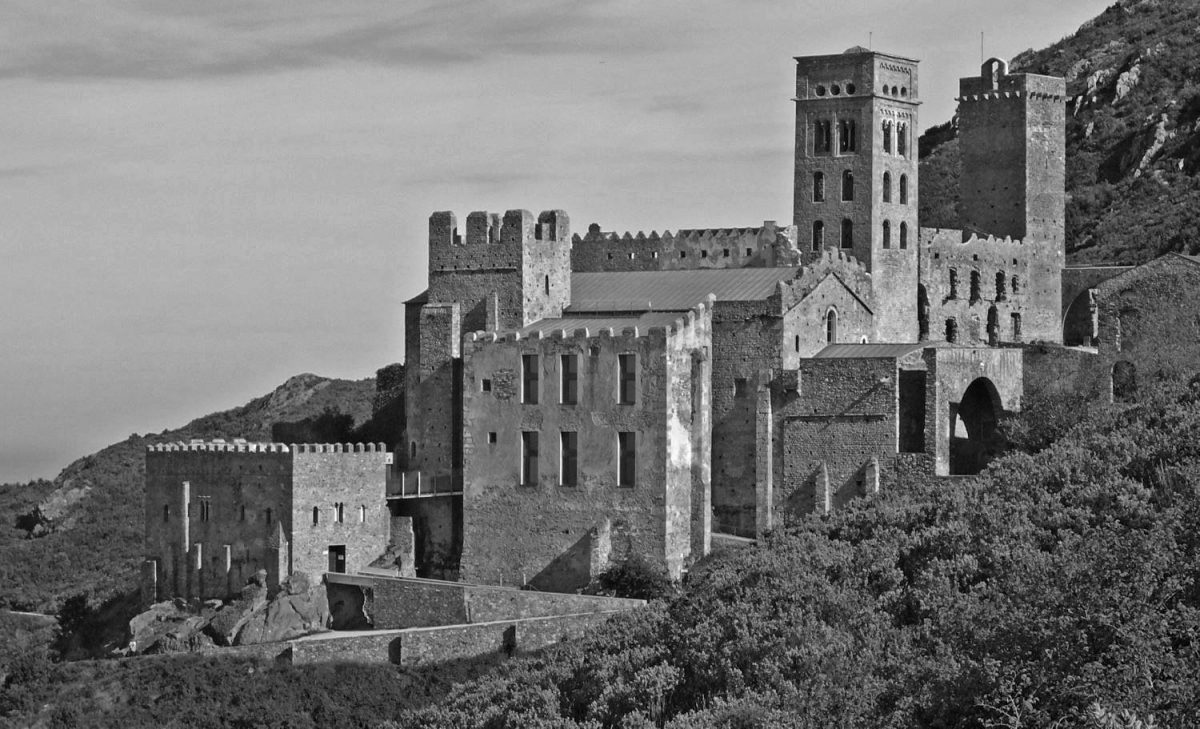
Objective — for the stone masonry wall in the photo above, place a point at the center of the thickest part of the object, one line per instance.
(212, 535)
(324, 477)
(766, 246)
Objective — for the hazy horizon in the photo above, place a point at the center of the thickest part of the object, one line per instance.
(200, 201)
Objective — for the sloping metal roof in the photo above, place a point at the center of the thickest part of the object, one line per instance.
(671, 290)
(865, 351)
(594, 324)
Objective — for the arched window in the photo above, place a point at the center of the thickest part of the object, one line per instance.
(951, 330)
(974, 287)
(818, 235)
(847, 233)
(339, 512)
(903, 189)
(887, 186)
(1016, 285)
(818, 187)
(831, 326)
(953, 284)
(847, 186)
(904, 235)
(887, 234)
(902, 140)
(316, 515)
(887, 137)
(1016, 327)
(1001, 289)
(993, 326)
(822, 137)
(847, 134)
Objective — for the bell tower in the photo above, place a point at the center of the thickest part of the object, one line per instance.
(856, 173)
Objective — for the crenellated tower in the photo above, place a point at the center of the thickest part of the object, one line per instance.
(506, 272)
(856, 173)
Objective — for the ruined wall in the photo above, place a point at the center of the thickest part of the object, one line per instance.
(555, 536)
(1011, 131)
(843, 414)
(1148, 319)
(1036, 297)
(329, 475)
(1051, 369)
(215, 514)
(769, 245)
(436, 523)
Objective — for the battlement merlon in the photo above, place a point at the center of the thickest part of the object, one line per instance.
(995, 82)
(516, 226)
(238, 445)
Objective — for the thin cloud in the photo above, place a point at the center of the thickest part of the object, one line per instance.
(167, 39)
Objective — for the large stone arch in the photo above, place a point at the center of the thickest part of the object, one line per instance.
(1079, 321)
(974, 436)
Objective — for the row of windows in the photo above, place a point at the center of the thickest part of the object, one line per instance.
(568, 458)
(899, 132)
(993, 327)
(836, 90)
(204, 504)
(339, 514)
(818, 187)
(974, 294)
(894, 135)
(568, 379)
(847, 234)
(725, 253)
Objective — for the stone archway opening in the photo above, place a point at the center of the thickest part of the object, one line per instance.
(1079, 323)
(974, 436)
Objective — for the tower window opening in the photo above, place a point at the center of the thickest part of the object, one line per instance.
(1016, 285)
(902, 139)
(903, 189)
(268, 516)
(568, 369)
(627, 379)
(818, 190)
(847, 133)
(953, 284)
(529, 458)
(339, 512)
(547, 282)
(568, 461)
(823, 137)
(797, 343)
(847, 233)
(818, 235)
(1016, 327)
(887, 137)
(316, 515)
(1001, 289)
(626, 459)
(529, 379)
(974, 294)
(951, 330)
(362, 514)
(887, 187)
(847, 186)
(831, 326)
(887, 234)
(166, 512)
(903, 235)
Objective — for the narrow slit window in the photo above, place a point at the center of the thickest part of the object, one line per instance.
(904, 235)
(818, 235)
(887, 187)
(818, 191)
(975, 296)
(569, 379)
(362, 514)
(847, 233)
(529, 379)
(831, 327)
(316, 513)
(626, 459)
(627, 379)
(568, 461)
(822, 137)
(902, 140)
(847, 186)
(903, 189)
(887, 137)
(887, 234)
(953, 284)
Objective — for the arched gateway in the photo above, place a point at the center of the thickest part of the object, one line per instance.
(974, 438)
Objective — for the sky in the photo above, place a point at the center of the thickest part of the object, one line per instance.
(200, 200)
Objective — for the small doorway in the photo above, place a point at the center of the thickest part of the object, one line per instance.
(337, 558)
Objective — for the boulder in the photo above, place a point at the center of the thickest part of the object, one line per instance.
(302, 608)
(232, 617)
(166, 627)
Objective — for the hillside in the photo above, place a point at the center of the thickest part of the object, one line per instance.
(1133, 134)
(80, 535)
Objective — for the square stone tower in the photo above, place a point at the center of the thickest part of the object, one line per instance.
(856, 173)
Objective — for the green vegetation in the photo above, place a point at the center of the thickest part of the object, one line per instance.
(1133, 135)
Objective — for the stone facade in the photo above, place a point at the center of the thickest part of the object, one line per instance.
(218, 513)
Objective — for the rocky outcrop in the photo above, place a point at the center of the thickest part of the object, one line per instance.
(174, 626)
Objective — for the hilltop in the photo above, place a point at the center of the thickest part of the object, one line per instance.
(1133, 134)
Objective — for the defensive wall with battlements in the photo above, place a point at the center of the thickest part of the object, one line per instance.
(765, 246)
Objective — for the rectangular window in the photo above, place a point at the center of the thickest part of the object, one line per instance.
(485, 385)
(740, 387)
(627, 379)
(529, 458)
(529, 379)
(568, 370)
(626, 459)
(568, 458)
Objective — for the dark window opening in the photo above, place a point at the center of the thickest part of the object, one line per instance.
(818, 189)
(740, 387)
(1016, 285)
(491, 437)
(887, 187)
(847, 186)
(902, 140)
(974, 293)
(529, 458)
(797, 342)
(316, 515)
(568, 467)
(831, 327)
(166, 512)
(1001, 288)
(339, 513)
(847, 233)
(951, 330)
(268, 516)
(547, 283)
(912, 411)
(823, 137)
(569, 379)
(337, 558)
(847, 135)
(485, 385)
(627, 379)
(725, 253)
(903, 189)
(1124, 382)
(904, 235)
(529, 379)
(993, 326)
(953, 284)
(922, 313)
(626, 459)
(887, 137)
(818, 235)
(887, 234)
(1016, 327)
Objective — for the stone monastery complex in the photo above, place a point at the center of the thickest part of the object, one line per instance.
(575, 399)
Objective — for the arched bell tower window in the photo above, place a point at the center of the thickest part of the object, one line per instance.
(903, 189)
(847, 136)
(818, 192)
(818, 235)
(904, 235)
(902, 140)
(847, 233)
(847, 186)
(887, 187)
(831, 326)
(887, 137)
(887, 234)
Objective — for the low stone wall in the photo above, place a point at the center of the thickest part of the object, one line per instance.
(415, 603)
(416, 647)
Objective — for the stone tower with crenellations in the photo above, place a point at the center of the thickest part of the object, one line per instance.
(855, 182)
